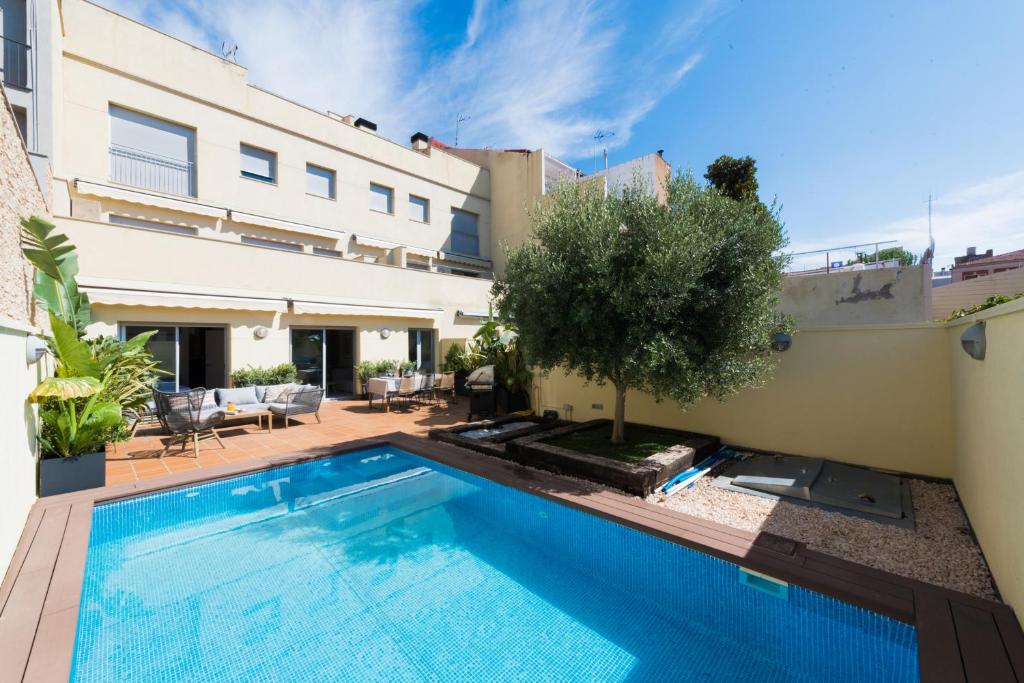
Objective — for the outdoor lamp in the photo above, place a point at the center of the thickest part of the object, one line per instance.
(973, 341)
(260, 332)
(781, 341)
(385, 333)
(35, 348)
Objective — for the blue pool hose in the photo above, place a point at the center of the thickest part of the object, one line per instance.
(689, 477)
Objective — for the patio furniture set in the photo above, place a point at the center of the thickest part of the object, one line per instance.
(420, 387)
(191, 416)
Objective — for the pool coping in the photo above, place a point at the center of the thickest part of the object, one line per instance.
(961, 638)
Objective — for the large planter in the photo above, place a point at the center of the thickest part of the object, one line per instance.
(65, 475)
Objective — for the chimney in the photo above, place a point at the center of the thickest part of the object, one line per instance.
(661, 153)
(367, 125)
(972, 251)
(420, 142)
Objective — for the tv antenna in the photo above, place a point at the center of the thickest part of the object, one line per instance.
(458, 121)
(599, 138)
(930, 252)
(229, 50)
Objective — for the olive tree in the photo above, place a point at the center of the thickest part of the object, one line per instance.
(677, 299)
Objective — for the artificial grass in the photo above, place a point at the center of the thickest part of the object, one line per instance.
(641, 442)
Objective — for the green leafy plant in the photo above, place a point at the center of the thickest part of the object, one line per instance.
(455, 359)
(285, 373)
(406, 366)
(990, 302)
(130, 367)
(56, 265)
(366, 369)
(388, 367)
(904, 257)
(674, 298)
(734, 178)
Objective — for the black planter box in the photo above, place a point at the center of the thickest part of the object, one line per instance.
(64, 475)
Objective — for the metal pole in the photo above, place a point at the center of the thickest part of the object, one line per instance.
(828, 264)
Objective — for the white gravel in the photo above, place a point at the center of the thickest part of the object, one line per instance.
(940, 550)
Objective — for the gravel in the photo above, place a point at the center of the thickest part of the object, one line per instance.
(940, 550)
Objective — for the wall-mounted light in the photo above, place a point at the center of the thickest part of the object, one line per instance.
(781, 341)
(35, 348)
(385, 333)
(260, 332)
(973, 341)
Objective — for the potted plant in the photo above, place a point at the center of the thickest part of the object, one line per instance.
(406, 367)
(365, 370)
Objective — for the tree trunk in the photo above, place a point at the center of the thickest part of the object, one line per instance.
(619, 423)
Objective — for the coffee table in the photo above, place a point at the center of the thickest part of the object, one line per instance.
(258, 414)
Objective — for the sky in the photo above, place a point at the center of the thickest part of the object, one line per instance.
(856, 112)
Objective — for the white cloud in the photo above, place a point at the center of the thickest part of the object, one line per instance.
(536, 73)
(987, 214)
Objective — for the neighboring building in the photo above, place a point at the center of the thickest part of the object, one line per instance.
(972, 264)
(248, 229)
(652, 170)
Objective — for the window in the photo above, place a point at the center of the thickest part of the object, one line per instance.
(257, 242)
(421, 349)
(419, 209)
(258, 164)
(322, 251)
(152, 153)
(465, 239)
(382, 198)
(319, 181)
(151, 225)
(21, 119)
(416, 265)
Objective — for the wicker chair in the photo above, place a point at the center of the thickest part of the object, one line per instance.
(426, 388)
(299, 402)
(184, 416)
(445, 388)
(407, 389)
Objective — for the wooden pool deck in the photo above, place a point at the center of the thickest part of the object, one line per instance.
(961, 638)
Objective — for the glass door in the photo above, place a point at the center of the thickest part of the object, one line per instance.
(421, 349)
(193, 357)
(308, 356)
(164, 347)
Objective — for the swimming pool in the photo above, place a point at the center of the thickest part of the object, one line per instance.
(381, 565)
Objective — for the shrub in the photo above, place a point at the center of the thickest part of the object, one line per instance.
(285, 373)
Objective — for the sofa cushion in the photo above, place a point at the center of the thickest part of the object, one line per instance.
(240, 396)
(278, 393)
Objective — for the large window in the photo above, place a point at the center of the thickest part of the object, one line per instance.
(258, 164)
(419, 209)
(320, 181)
(151, 153)
(382, 198)
(421, 349)
(465, 238)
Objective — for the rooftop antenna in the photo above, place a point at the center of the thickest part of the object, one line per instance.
(229, 50)
(599, 137)
(458, 120)
(929, 254)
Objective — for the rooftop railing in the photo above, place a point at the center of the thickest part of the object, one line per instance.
(137, 168)
(836, 259)
(14, 63)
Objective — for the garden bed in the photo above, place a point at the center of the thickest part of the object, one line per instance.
(491, 436)
(649, 457)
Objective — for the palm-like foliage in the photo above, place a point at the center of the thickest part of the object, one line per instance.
(129, 367)
(56, 266)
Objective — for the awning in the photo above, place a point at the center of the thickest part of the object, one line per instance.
(147, 199)
(364, 241)
(367, 310)
(472, 314)
(280, 224)
(467, 260)
(163, 299)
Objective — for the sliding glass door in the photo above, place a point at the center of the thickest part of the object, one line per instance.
(191, 356)
(325, 358)
(421, 349)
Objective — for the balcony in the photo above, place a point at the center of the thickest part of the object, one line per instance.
(15, 64)
(138, 168)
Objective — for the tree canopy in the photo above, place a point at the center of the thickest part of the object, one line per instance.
(735, 178)
(905, 257)
(675, 299)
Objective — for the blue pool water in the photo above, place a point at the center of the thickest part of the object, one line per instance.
(383, 566)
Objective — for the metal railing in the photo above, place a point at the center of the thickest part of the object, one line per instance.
(842, 258)
(15, 64)
(135, 167)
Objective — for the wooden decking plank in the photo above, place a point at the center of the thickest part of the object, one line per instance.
(21, 614)
(35, 516)
(57, 630)
(65, 585)
(1013, 638)
(853, 573)
(981, 645)
(938, 653)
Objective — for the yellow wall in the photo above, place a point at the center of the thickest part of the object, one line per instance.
(875, 396)
(988, 452)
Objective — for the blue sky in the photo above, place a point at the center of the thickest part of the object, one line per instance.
(855, 111)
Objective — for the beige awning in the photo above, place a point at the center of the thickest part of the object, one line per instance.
(280, 224)
(148, 199)
(164, 299)
(364, 241)
(367, 310)
(466, 260)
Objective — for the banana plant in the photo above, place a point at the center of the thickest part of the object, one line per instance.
(56, 266)
(70, 429)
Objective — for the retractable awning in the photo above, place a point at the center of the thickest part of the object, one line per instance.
(148, 199)
(367, 310)
(364, 241)
(280, 224)
(166, 299)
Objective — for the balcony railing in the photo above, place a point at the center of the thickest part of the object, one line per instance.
(134, 167)
(15, 64)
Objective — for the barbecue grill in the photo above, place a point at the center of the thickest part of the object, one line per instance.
(480, 385)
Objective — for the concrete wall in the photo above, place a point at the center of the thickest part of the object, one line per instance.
(967, 293)
(19, 196)
(988, 446)
(865, 297)
(874, 396)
